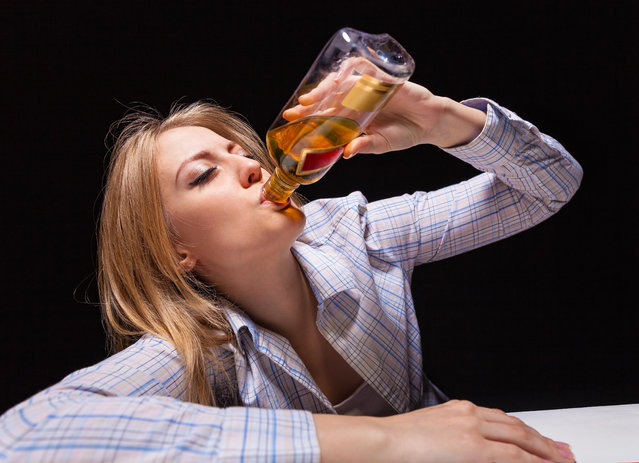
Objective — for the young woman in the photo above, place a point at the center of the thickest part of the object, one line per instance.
(249, 330)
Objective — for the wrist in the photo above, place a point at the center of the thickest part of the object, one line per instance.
(458, 124)
(350, 438)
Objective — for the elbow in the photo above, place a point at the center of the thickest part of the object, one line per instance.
(575, 176)
(571, 176)
(543, 206)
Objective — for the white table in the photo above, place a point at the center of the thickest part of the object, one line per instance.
(596, 434)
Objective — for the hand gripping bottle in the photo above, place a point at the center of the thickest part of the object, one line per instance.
(353, 77)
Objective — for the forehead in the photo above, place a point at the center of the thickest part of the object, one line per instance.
(181, 142)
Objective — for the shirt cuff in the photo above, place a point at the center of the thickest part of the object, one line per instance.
(250, 434)
(493, 142)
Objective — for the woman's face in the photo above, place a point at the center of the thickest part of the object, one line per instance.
(211, 190)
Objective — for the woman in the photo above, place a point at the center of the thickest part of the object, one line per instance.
(252, 330)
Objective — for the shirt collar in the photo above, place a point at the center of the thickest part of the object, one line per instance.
(325, 269)
(241, 324)
(326, 273)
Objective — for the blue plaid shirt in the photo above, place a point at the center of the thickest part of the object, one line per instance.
(358, 257)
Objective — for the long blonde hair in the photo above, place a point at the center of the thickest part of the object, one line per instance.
(143, 289)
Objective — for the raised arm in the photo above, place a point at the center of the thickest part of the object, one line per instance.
(527, 176)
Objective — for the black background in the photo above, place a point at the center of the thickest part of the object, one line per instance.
(545, 319)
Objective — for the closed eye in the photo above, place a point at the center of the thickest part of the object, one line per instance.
(234, 148)
(203, 177)
(247, 155)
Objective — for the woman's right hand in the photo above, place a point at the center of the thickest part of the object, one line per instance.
(411, 117)
(456, 431)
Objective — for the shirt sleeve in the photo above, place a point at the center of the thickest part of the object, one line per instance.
(76, 425)
(527, 177)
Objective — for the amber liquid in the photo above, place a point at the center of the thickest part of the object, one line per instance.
(287, 143)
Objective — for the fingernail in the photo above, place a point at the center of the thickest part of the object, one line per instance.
(348, 156)
(564, 450)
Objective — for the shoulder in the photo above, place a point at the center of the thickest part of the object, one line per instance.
(353, 214)
(327, 215)
(320, 209)
(324, 216)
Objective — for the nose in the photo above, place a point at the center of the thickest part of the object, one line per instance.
(250, 171)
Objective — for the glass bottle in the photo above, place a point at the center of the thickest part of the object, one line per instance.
(353, 77)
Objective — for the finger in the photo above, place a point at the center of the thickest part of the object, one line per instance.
(501, 451)
(332, 84)
(327, 85)
(356, 146)
(565, 450)
(499, 416)
(309, 101)
(499, 426)
(526, 438)
(374, 143)
(342, 79)
(296, 113)
(350, 150)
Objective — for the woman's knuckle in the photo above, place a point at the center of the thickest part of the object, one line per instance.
(520, 433)
(466, 407)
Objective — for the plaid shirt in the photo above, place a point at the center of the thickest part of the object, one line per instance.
(358, 257)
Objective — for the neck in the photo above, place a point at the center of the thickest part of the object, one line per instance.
(277, 296)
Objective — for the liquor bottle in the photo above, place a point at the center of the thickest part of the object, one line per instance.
(353, 77)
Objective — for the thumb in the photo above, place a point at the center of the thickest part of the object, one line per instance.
(374, 144)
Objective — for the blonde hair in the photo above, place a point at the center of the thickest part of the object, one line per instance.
(143, 289)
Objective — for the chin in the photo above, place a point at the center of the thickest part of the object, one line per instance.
(295, 214)
(298, 221)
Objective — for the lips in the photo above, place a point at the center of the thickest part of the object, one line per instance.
(277, 206)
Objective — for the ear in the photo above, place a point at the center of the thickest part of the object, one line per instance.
(187, 259)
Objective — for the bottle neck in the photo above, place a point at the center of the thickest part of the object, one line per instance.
(279, 188)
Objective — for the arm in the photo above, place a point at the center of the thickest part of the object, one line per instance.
(527, 176)
(74, 425)
(128, 408)
(85, 426)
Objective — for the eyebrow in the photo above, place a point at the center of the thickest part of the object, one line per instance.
(193, 157)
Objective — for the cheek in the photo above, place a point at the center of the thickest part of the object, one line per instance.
(227, 235)
(209, 229)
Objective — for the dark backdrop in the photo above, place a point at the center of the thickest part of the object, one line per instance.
(545, 319)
